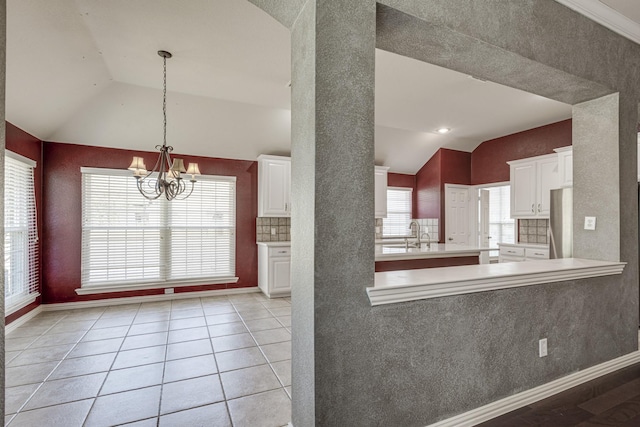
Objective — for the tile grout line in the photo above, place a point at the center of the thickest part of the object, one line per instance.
(95, 399)
(52, 370)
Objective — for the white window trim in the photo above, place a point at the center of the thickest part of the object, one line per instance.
(408, 232)
(153, 284)
(20, 303)
(22, 300)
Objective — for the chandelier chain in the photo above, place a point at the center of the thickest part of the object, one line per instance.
(164, 102)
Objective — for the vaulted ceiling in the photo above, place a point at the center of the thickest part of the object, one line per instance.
(87, 72)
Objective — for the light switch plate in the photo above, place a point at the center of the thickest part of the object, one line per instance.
(589, 222)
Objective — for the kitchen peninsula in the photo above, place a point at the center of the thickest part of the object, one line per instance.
(396, 256)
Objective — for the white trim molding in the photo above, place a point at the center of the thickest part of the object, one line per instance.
(105, 289)
(409, 285)
(606, 16)
(22, 320)
(20, 303)
(511, 403)
(147, 298)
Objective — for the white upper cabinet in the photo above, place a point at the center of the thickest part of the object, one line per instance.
(381, 191)
(531, 182)
(274, 186)
(565, 166)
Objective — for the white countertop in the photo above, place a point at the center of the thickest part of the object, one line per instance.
(397, 251)
(274, 244)
(526, 245)
(409, 285)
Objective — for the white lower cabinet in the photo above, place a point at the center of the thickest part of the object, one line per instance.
(518, 252)
(274, 269)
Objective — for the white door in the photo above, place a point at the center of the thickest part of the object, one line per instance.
(483, 235)
(456, 204)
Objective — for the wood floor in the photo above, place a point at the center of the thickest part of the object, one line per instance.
(612, 400)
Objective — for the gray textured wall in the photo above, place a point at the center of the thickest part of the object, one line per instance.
(3, 59)
(596, 161)
(415, 363)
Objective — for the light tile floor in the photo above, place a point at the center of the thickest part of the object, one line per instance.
(219, 361)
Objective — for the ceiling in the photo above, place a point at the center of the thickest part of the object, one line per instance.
(87, 72)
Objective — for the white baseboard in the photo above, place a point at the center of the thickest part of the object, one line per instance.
(511, 403)
(22, 320)
(146, 298)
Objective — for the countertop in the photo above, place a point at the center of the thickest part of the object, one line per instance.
(397, 252)
(274, 244)
(410, 285)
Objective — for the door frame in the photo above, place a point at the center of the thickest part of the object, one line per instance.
(475, 221)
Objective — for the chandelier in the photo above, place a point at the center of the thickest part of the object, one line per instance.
(166, 176)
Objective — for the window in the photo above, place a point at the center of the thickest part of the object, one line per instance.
(129, 240)
(20, 233)
(399, 210)
(501, 226)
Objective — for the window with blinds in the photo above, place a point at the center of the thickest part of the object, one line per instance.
(399, 205)
(127, 239)
(501, 227)
(20, 233)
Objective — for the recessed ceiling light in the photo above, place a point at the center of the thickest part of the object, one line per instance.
(444, 130)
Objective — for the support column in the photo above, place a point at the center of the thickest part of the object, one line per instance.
(3, 61)
(596, 181)
(333, 78)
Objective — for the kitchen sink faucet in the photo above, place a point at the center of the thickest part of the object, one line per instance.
(418, 243)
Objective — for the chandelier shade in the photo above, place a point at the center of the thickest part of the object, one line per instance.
(166, 176)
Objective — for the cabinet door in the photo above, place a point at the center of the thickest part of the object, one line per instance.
(523, 190)
(281, 275)
(380, 192)
(274, 188)
(565, 169)
(547, 179)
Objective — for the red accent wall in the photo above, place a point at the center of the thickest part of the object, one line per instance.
(444, 167)
(62, 224)
(29, 146)
(489, 159)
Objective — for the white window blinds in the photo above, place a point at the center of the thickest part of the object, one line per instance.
(501, 226)
(399, 208)
(20, 232)
(127, 239)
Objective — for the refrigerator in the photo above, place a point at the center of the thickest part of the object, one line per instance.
(561, 223)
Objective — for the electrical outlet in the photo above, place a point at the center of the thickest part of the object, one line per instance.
(273, 231)
(542, 347)
(378, 229)
(589, 222)
(168, 290)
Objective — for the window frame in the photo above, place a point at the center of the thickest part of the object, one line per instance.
(30, 288)
(163, 280)
(408, 190)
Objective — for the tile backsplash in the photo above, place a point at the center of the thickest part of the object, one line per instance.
(533, 231)
(427, 225)
(273, 229)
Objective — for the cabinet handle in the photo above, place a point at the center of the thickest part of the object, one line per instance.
(511, 252)
(282, 252)
(537, 253)
(450, 238)
(533, 208)
(286, 207)
(539, 210)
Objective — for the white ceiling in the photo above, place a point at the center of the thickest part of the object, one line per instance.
(87, 72)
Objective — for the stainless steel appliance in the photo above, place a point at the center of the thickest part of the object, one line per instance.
(561, 223)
